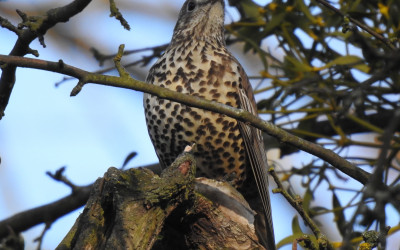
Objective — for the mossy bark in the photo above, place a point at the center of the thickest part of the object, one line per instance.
(136, 209)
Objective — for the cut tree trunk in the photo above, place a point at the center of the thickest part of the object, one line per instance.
(136, 209)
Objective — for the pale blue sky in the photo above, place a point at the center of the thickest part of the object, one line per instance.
(45, 129)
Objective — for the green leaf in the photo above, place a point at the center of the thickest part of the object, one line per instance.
(308, 197)
(251, 9)
(305, 10)
(288, 240)
(296, 226)
(275, 21)
(297, 65)
(344, 60)
(363, 68)
(339, 215)
(319, 208)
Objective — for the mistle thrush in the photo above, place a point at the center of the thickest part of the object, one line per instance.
(198, 63)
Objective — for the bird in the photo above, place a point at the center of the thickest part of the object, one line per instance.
(198, 63)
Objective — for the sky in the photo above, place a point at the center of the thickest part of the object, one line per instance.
(44, 128)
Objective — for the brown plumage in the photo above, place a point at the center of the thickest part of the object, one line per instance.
(197, 63)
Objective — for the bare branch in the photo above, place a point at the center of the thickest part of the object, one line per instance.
(58, 176)
(35, 27)
(241, 115)
(46, 213)
(41, 236)
(359, 24)
(157, 50)
(296, 203)
(6, 24)
(117, 14)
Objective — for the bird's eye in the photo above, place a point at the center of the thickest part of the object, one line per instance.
(191, 6)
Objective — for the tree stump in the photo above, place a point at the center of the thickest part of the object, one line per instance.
(137, 209)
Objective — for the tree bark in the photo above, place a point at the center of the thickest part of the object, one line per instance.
(136, 209)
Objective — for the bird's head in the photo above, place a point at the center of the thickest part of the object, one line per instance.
(200, 19)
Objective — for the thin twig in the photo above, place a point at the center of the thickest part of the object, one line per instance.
(36, 27)
(156, 52)
(50, 212)
(58, 176)
(359, 24)
(296, 203)
(41, 236)
(114, 12)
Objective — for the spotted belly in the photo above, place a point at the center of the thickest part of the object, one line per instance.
(219, 147)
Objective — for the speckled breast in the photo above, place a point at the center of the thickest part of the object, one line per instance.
(199, 69)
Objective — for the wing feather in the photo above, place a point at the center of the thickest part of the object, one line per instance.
(254, 146)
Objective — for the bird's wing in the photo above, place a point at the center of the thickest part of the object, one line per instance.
(254, 146)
